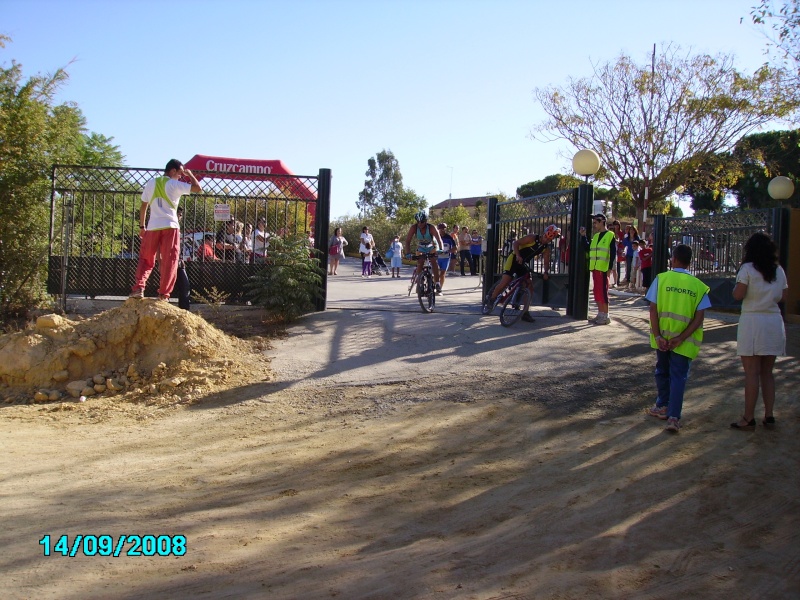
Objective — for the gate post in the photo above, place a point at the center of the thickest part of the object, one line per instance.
(779, 223)
(321, 230)
(492, 233)
(660, 245)
(578, 277)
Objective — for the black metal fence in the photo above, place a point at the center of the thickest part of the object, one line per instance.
(94, 227)
(717, 244)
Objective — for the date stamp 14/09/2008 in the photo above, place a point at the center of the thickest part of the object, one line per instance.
(115, 546)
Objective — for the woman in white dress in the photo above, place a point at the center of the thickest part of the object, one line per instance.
(760, 285)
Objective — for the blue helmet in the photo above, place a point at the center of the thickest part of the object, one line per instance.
(421, 216)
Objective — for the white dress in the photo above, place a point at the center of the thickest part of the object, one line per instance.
(761, 331)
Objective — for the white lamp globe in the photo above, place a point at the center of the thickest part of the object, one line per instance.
(780, 188)
(585, 162)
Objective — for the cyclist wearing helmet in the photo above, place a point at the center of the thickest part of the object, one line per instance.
(426, 240)
(523, 251)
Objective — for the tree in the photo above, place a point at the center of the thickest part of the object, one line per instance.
(760, 157)
(551, 183)
(654, 124)
(785, 24)
(35, 134)
(383, 186)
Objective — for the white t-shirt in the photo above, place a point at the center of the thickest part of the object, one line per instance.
(761, 296)
(162, 215)
(366, 243)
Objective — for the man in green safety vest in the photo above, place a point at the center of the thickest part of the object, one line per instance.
(601, 264)
(677, 306)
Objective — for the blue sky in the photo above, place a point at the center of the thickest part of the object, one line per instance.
(446, 85)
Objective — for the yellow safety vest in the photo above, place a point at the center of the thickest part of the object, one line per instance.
(600, 251)
(679, 294)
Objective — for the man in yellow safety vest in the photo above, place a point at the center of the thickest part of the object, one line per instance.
(677, 306)
(601, 264)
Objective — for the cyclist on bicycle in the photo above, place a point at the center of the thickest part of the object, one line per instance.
(523, 251)
(426, 241)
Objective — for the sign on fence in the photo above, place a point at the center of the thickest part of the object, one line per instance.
(222, 212)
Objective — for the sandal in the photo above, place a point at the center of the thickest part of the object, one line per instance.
(768, 422)
(749, 425)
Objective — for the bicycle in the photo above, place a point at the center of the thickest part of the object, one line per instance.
(515, 299)
(423, 279)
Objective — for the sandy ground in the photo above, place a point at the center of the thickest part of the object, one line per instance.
(391, 457)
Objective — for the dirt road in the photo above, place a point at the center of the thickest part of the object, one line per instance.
(395, 455)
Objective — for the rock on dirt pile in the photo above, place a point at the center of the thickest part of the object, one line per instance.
(140, 344)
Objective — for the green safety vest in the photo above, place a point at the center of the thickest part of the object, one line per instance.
(600, 251)
(679, 294)
(160, 190)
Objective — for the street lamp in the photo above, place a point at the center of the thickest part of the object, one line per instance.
(586, 162)
(780, 188)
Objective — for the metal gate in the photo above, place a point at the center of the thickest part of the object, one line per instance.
(94, 226)
(717, 244)
(567, 285)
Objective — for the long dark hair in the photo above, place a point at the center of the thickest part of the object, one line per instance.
(763, 253)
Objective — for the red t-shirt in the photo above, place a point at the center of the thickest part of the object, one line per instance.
(646, 256)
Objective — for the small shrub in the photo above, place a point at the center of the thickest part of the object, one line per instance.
(291, 281)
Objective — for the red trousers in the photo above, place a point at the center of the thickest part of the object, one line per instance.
(163, 242)
(600, 279)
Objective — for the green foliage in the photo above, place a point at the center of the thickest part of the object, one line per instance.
(289, 285)
(551, 183)
(35, 134)
(383, 187)
(760, 157)
(212, 298)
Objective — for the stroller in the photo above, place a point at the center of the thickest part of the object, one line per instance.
(378, 264)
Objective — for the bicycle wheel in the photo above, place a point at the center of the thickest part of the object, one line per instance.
(516, 304)
(426, 293)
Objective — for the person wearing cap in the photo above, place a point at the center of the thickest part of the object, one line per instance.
(161, 234)
(445, 253)
(601, 263)
(523, 251)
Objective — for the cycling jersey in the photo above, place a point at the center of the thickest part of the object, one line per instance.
(527, 251)
(425, 243)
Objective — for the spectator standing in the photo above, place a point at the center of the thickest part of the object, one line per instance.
(761, 336)
(260, 240)
(635, 266)
(335, 251)
(365, 249)
(228, 241)
(620, 250)
(678, 301)
(646, 258)
(455, 251)
(397, 256)
(445, 253)
(464, 241)
(475, 249)
(161, 234)
(247, 243)
(601, 263)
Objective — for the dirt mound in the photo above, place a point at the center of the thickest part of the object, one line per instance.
(141, 347)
